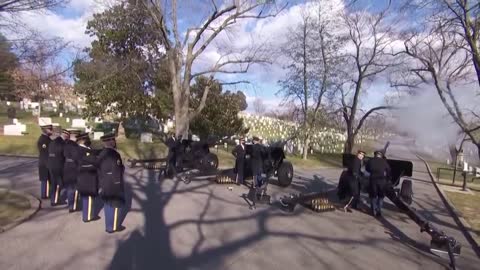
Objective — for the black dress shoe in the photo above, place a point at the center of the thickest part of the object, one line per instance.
(93, 219)
(119, 229)
(71, 211)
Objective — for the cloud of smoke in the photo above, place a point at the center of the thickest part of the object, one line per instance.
(424, 117)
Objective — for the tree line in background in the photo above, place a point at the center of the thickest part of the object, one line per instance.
(30, 66)
(143, 63)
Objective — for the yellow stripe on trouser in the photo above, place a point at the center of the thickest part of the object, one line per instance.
(57, 189)
(48, 189)
(115, 215)
(75, 198)
(89, 207)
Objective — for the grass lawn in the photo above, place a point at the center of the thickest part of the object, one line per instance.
(12, 207)
(446, 177)
(468, 206)
(134, 149)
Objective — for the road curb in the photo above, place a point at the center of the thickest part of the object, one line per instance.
(34, 208)
(461, 222)
(21, 156)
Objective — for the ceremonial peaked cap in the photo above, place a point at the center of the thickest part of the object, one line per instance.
(378, 152)
(74, 131)
(82, 136)
(107, 137)
(46, 127)
(67, 132)
(361, 152)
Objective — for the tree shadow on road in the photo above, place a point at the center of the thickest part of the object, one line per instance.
(153, 246)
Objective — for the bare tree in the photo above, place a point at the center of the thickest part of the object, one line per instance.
(12, 6)
(439, 58)
(311, 51)
(259, 107)
(370, 35)
(461, 17)
(184, 52)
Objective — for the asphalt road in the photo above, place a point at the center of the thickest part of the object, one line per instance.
(202, 225)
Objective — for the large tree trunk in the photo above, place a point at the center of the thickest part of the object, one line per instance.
(121, 131)
(306, 141)
(350, 142)
(180, 95)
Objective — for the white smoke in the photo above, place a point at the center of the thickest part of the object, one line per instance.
(425, 117)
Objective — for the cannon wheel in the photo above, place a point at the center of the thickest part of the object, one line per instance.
(210, 162)
(406, 191)
(285, 174)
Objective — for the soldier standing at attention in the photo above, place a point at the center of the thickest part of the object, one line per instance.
(87, 181)
(239, 154)
(70, 172)
(110, 174)
(56, 161)
(42, 146)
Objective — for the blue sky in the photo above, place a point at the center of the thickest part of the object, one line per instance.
(69, 23)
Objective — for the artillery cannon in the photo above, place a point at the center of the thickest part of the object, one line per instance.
(274, 164)
(193, 155)
(402, 197)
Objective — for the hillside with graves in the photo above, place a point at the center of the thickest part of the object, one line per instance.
(324, 140)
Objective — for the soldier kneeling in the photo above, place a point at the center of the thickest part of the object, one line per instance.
(110, 173)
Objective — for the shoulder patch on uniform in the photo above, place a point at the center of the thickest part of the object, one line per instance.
(87, 154)
(44, 146)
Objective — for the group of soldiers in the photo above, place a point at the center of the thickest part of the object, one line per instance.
(379, 171)
(71, 172)
(240, 154)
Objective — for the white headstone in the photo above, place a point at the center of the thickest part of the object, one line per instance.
(477, 172)
(44, 121)
(465, 166)
(146, 137)
(54, 110)
(67, 120)
(98, 120)
(88, 129)
(12, 130)
(61, 114)
(15, 121)
(23, 127)
(8, 103)
(225, 145)
(78, 123)
(169, 123)
(97, 135)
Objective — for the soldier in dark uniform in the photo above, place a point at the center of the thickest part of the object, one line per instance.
(354, 174)
(110, 174)
(379, 173)
(257, 161)
(56, 162)
(43, 173)
(87, 181)
(239, 153)
(70, 172)
(172, 145)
